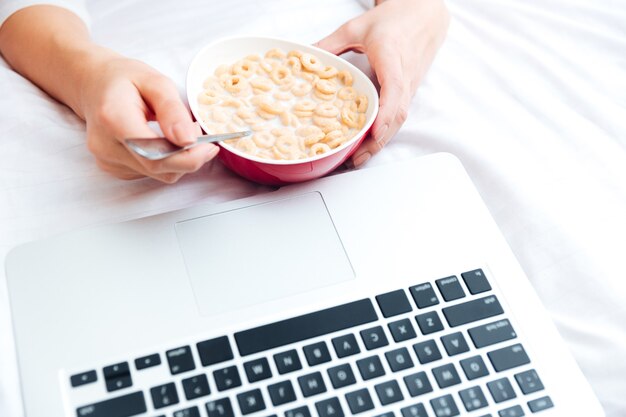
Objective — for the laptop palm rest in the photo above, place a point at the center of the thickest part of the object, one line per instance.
(262, 252)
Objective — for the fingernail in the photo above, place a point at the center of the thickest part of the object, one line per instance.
(361, 159)
(379, 135)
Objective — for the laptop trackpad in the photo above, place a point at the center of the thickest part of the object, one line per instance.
(263, 252)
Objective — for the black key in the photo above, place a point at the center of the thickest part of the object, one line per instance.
(387, 414)
(312, 384)
(359, 401)
(257, 370)
(341, 376)
(83, 378)
(474, 310)
(196, 386)
(282, 393)
(119, 383)
(346, 345)
(399, 359)
(124, 406)
(370, 367)
(418, 384)
(180, 360)
(393, 303)
(476, 281)
(250, 401)
(117, 376)
(164, 395)
(492, 333)
(220, 408)
(147, 361)
(508, 357)
(515, 411)
(374, 338)
(316, 353)
(402, 330)
(446, 375)
(454, 343)
(473, 398)
(417, 410)
(305, 327)
(450, 288)
(529, 382)
(187, 412)
(288, 361)
(424, 295)
(329, 408)
(540, 404)
(501, 390)
(298, 412)
(214, 351)
(389, 392)
(429, 322)
(474, 367)
(427, 351)
(444, 406)
(227, 378)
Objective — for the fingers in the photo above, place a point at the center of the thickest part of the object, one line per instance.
(347, 38)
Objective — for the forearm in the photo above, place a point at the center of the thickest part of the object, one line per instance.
(51, 46)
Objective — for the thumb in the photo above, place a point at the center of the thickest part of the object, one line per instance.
(344, 39)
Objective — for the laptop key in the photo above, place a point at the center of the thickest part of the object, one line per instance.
(387, 414)
(288, 361)
(429, 322)
(341, 376)
(220, 408)
(444, 406)
(196, 387)
(474, 310)
(450, 288)
(418, 384)
(83, 378)
(474, 367)
(117, 376)
(374, 338)
(454, 343)
(312, 384)
(389, 392)
(529, 381)
(399, 359)
(250, 401)
(187, 412)
(180, 360)
(359, 401)
(147, 361)
(508, 357)
(281, 393)
(227, 378)
(214, 351)
(515, 411)
(370, 367)
(124, 406)
(427, 351)
(329, 408)
(473, 398)
(164, 395)
(393, 303)
(424, 295)
(298, 412)
(316, 353)
(257, 370)
(492, 333)
(446, 375)
(540, 404)
(476, 281)
(416, 410)
(346, 345)
(501, 390)
(402, 330)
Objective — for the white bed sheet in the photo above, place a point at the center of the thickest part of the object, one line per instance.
(529, 94)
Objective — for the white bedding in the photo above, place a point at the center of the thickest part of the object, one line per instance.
(529, 94)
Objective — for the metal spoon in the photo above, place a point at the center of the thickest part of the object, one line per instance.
(159, 148)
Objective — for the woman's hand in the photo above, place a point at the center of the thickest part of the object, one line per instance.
(400, 39)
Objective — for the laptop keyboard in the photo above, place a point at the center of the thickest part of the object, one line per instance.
(444, 349)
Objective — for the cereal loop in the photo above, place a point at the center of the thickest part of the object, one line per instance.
(264, 139)
(326, 110)
(345, 77)
(361, 104)
(310, 62)
(275, 53)
(347, 93)
(261, 83)
(234, 83)
(244, 67)
(301, 89)
(349, 118)
(280, 75)
(327, 72)
(319, 149)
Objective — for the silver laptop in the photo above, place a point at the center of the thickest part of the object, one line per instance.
(380, 292)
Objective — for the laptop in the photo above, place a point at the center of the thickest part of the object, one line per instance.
(379, 292)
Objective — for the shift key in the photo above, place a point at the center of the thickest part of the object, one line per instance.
(124, 406)
(474, 310)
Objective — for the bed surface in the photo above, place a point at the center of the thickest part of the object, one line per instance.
(529, 94)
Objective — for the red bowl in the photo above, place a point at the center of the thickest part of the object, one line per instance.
(269, 171)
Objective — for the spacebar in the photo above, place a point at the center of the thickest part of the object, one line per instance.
(124, 406)
(305, 327)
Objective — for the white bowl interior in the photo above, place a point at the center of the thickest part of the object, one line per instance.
(230, 50)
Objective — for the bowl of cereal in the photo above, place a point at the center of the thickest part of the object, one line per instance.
(308, 109)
